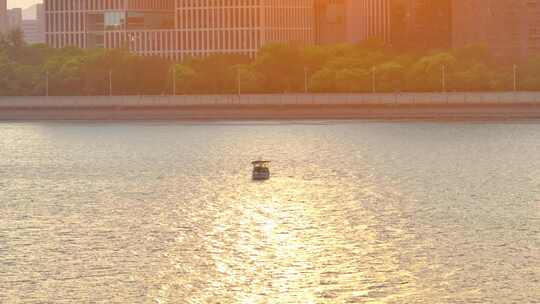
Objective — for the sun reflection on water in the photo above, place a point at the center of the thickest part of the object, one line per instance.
(288, 240)
(354, 213)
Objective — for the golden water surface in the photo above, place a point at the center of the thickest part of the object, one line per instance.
(354, 213)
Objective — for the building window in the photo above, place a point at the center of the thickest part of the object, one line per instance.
(150, 20)
(114, 21)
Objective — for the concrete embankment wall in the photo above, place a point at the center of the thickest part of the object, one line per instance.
(520, 105)
(403, 99)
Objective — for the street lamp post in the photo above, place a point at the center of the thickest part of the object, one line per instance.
(306, 86)
(239, 80)
(110, 83)
(373, 88)
(131, 39)
(515, 69)
(444, 78)
(174, 80)
(47, 83)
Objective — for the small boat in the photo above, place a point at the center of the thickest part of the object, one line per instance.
(260, 170)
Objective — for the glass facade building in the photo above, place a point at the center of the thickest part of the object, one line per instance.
(179, 28)
(353, 21)
(510, 28)
(421, 24)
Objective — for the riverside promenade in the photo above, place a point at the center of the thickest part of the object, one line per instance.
(500, 105)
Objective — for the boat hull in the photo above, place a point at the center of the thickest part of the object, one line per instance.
(262, 175)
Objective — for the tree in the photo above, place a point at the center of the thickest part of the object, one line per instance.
(6, 76)
(250, 80)
(530, 74)
(389, 76)
(185, 76)
(476, 77)
(12, 43)
(324, 80)
(426, 73)
(215, 74)
(282, 66)
(353, 80)
(472, 54)
(278, 68)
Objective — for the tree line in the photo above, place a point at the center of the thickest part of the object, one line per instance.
(278, 68)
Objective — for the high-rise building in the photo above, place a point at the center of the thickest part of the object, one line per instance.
(3, 16)
(374, 19)
(509, 28)
(34, 29)
(405, 24)
(14, 18)
(352, 21)
(421, 24)
(177, 28)
(241, 26)
(31, 32)
(330, 21)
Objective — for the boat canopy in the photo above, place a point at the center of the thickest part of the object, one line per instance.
(259, 163)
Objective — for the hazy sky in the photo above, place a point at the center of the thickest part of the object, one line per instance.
(21, 3)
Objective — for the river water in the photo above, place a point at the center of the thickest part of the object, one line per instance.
(356, 212)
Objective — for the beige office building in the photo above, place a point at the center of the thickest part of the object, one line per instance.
(34, 29)
(510, 28)
(352, 21)
(177, 29)
(374, 19)
(3, 16)
(14, 19)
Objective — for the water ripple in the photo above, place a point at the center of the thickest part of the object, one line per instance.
(354, 213)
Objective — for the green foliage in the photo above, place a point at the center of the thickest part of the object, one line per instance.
(278, 68)
(324, 80)
(282, 67)
(530, 75)
(214, 74)
(185, 78)
(390, 76)
(476, 77)
(426, 73)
